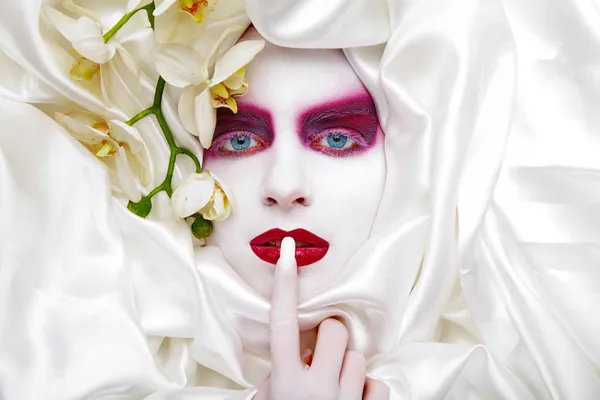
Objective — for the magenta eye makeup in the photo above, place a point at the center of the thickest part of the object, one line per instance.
(242, 134)
(340, 128)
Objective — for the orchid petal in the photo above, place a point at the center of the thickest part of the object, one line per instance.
(90, 43)
(126, 176)
(224, 10)
(239, 92)
(85, 35)
(174, 26)
(225, 188)
(228, 102)
(67, 26)
(70, 5)
(81, 129)
(217, 42)
(146, 171)
(235, 58)
(206, 118)
(236, 81)
(130, 62)
(137, 4)
(215, 208)
(192, 194)
(186, 109)
(180, 65)
(123, 133)
(196, 9)
(219, 90)
(163, 6)
(222, 202)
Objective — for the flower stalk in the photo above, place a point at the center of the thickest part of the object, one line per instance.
(143, 207)
(156, 110)
(113, 31)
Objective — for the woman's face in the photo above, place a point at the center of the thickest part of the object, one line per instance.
(303, 157)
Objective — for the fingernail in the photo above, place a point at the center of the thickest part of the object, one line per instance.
(288, 248)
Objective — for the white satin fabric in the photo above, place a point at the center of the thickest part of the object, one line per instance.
(482, 276)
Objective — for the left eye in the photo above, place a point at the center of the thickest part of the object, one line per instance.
(239, 143)
(337, 141)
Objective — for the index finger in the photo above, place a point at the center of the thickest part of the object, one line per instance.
(285, 335)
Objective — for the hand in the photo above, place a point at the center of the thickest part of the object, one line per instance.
(334, 374)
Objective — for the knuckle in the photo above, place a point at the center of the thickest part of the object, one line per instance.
(335, 328)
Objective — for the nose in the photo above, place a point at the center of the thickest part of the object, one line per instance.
(285, 185)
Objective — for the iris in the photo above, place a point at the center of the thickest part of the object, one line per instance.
(337, 141)
(240, 142)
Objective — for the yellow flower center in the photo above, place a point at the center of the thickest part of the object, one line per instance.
(102, 127)
(196, 8)
(84, 69)
(222, 98)
(107, 147)
(223, 93)
(104, 149)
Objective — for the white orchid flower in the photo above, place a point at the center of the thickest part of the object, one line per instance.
(119, 145)
(195, 9)
(204, 194)
(182, 66)
(85, 35)
(181, 21)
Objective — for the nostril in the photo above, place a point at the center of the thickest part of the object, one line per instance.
(301, 201)
(270, 201)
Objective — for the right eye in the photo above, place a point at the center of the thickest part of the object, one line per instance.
(238, 144)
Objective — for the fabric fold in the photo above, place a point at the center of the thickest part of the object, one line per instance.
(480, 278)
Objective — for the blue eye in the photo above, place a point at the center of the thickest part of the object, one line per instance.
(240, 142)
(236, 145)
(337, 141)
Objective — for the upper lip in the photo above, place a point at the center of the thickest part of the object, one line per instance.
(302, 237)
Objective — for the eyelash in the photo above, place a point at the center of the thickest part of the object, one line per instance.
(217, 147)
(357, 139)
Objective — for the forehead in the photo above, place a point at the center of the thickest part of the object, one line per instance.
(283, 79)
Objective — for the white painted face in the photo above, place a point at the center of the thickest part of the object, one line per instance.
(304, 152)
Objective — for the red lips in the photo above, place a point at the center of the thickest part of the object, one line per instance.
(309, 247)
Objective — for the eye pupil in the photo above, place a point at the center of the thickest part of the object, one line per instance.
(337, 141)
(240, 142)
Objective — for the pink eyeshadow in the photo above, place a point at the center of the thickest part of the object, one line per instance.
(355, 116)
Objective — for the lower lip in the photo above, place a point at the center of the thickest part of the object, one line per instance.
(304, 255)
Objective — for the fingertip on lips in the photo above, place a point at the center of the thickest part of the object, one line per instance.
(268, 246)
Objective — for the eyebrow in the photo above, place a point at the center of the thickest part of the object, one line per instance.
(246, 117)
(339, 109)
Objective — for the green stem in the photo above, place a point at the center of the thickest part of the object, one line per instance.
(193, 157)
(157, 190)
(140, 115)
(160, 87)
(144, 206)
(175, 150)
(149, 9)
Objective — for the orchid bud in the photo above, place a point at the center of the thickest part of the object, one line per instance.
(201, 228)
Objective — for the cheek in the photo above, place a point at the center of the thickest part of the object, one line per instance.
(348, 191)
